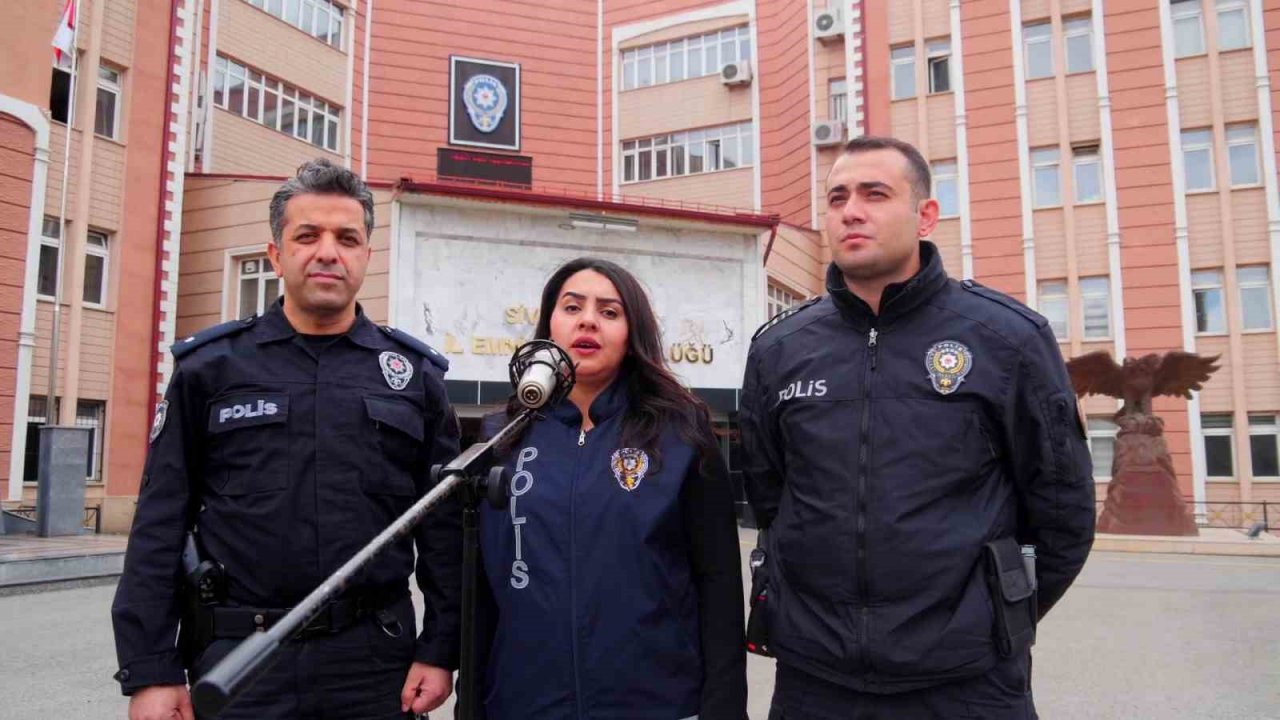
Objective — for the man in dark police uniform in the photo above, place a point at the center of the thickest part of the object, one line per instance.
(906, 436)
(286, 442)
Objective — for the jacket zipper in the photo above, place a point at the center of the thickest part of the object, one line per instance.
(863, 470)
(573, 572)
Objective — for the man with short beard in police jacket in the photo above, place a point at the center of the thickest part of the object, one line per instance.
(905, 434)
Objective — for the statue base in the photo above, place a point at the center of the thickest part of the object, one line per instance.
(1143, 497)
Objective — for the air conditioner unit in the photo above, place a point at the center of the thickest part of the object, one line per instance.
(827, 132)
(828, 26)
(736, 73)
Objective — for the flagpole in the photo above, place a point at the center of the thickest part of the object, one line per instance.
(52, 393)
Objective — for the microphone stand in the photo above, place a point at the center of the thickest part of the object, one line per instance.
(256, 653)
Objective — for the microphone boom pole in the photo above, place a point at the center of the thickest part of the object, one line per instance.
(237, 671)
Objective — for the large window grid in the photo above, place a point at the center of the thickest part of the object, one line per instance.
(267, 101)
(780, 299)
(688, 153)
(685, 58)
(320, 19)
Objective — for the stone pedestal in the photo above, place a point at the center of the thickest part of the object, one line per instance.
(1143, 497)
(64, 456)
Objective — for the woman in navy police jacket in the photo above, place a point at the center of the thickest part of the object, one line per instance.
(614, 580)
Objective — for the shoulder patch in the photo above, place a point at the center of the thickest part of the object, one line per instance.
(995, 296)
(418, 346)
(187, 345)
(784, 315)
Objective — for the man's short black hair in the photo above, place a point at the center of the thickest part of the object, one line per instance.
(322, 177)
(921, 178)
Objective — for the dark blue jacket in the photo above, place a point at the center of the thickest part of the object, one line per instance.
(883, 450)
(614, 580)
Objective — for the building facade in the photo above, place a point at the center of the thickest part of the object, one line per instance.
(1111, 164)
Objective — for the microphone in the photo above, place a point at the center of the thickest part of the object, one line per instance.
(541, 373)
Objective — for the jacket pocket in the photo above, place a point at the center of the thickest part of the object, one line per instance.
(248, 443)
(397, 428)
(1013, 596)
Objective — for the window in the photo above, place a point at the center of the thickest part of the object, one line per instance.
(37, 417)
(320, 19)
(1206, 288)
(50, 251)
(779, 299)
(1262, 446)
(939, 58)
(259, 286)
(1037, 47)
(1255, 297)
(1053, 306)
(1044, 177)
(1197, 159)
(106, 115)
(690, 57)
(1102, 446)
(272, 103)
(945, 188)
(1242, 154)
(95, 269)
(1233, 25)
(903, 61)
(90, 414)
(688, 153)
(1218, 457)
(837, 91)
(1087, 174)
(1079, 38)
(1188, 28)
(1095, 297)
(60, 89)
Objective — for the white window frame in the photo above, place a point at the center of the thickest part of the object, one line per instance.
(1098, 432)
(1252, 283)
(55, 242)
(1227, 432)
(1206, 281)
(938, 52)
(903, 56)
(1055, 292)
(945, 172)
(102, 251)
(1086, 159)
(838, 99)
(112, 86)
(730, 142)
(92, 414)
(1095, 288)
(262, 275)
(1224, 7)
(1046, 158)
(1243, 135)
(313, 17)
(315, 109)
(705, 45)
(1266, 426)
(1077, 27)
(1199, 140)
(1034, 35)
(780, 298)
(1184, 11)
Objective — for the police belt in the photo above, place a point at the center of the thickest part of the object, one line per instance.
(229, 621)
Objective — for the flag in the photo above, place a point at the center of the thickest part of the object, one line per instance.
(66, 33)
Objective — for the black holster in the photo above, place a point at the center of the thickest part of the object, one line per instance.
(758, 619)
(1013, 596)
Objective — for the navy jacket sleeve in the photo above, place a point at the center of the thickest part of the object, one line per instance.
(762, 468)
(706, 499)
(1051, 467)
(146, 609)
(439, 541)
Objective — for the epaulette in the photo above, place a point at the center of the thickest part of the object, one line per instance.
(418, 346)
(996, 296)
(186, 345)
(784, 315)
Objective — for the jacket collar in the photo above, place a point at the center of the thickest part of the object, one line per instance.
(274, 326)
(898, 300)
(606, 405)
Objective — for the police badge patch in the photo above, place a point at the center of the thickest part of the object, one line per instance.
(629, 466)
(396, 369)
(948, 363)
(162, 414)
(486, 99)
